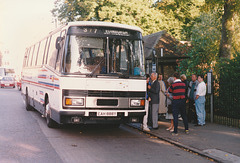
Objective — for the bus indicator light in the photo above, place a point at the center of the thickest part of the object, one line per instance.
(142, 102)
(68, 101)
(74, 101)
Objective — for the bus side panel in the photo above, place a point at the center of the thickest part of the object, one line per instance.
(55, 100)
(38, 83)
(27, 79)
(49, 87)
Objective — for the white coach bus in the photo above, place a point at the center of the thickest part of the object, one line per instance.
(86, 72)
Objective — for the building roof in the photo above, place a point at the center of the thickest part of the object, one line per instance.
(162, 40)
(150, 41)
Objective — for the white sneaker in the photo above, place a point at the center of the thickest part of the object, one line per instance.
(146, 129)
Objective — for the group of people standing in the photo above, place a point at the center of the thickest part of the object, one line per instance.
(172, 100)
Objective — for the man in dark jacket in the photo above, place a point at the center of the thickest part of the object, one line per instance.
(154, 98)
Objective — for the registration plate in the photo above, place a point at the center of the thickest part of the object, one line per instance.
(6, 84)
(107, 114)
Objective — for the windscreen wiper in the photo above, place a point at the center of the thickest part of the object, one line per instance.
(95, 69)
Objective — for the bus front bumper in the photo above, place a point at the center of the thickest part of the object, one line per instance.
(98, 116)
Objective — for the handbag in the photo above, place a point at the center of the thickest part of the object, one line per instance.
(169, 111)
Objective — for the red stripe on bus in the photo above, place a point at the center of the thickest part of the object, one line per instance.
(41, 84)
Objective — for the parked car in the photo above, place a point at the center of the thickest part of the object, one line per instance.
(7, 81)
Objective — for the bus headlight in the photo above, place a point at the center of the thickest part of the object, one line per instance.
(74, 101)
(137, 103)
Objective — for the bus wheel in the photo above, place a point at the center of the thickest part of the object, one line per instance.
(27, 105)
(50, 122)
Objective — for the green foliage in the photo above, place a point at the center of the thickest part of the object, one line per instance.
(72, 10)
(229, 9)
(228, 96)
(205, 42)
(229, 69)
(138, 13)
(211, 4)
(185, 11)
(132, 12)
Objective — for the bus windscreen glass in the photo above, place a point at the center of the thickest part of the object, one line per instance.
(104, 55)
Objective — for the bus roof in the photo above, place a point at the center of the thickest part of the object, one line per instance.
(95, 23)
(104, 24)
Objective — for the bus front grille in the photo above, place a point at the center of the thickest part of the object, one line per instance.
(107, 102)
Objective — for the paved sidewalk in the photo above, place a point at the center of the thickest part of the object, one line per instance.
(217, 142)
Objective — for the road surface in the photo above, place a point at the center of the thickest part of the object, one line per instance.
(25, 138)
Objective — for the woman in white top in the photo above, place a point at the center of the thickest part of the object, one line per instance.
(200, 101)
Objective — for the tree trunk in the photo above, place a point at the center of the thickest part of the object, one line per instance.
(227, 29)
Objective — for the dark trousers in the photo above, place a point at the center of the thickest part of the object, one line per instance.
(192, 116)
(149, 123)
(179, 106)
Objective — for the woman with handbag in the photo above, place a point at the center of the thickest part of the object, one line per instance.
(169, 114)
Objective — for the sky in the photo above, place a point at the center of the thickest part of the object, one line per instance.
(22, 23)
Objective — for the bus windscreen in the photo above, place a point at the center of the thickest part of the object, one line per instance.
(95, 55)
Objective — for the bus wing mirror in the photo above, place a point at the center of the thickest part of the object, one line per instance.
(58, 42)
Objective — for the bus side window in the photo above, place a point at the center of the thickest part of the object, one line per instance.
(52, 54)
(32, 53)
(41, 52)
(35, 53)
(29, 56)
(60, 51)
(47, 50)
(67, 62)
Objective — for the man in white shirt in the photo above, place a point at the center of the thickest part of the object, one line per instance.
(200, 101)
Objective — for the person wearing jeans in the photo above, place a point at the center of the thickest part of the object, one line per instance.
(200, 101)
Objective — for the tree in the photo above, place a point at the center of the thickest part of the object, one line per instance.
(230, 8)
(205, 45)
(72, 10)
(185, 11)
(227, 28)
(132, 12)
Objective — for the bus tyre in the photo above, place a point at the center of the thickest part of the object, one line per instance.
(50, 122)
(27, 105)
